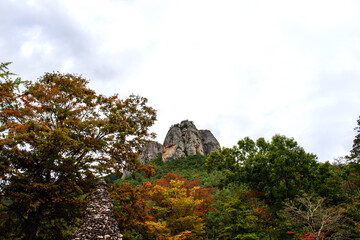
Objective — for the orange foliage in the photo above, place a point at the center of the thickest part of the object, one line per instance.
(131, 205)
(171, 208)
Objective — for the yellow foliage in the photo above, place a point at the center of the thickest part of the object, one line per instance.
(174, 212)
(158, 229)
(180, 236)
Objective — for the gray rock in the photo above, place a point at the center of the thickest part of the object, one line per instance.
(210, 143)
(173, 146)
(151, 151)
(192, 139)
(185, 139)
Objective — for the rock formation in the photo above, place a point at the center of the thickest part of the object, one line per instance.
(151, 151)
(184, 140)
(210, 143)
(99, 221)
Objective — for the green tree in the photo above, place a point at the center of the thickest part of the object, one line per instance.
(56, 135)
(353, 185)
(239, 215)
(328, 184)
(354, 157)
(280, 169)
(355, 151)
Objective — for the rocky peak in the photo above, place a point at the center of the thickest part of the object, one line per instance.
(185, 139)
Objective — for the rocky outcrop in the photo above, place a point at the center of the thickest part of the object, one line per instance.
(210, 143)
(151, 151)
(99, 221)
(184, 140)
(173, 146)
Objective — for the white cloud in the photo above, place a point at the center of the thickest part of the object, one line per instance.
(239, 68)
(34, 44)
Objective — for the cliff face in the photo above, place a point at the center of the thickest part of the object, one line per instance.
(209, 142)
(185, 139)
(151, 151)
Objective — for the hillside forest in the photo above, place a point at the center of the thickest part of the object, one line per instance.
(58, 137)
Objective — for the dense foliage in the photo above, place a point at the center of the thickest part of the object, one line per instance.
(191, 168)
(263, 190)
(56, 136)
(169, 208)
(280, 176)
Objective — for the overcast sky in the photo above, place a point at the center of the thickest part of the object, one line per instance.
(238, 68)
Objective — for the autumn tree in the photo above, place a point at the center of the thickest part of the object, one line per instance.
(178, 209)
(132, 208)
(56, 136)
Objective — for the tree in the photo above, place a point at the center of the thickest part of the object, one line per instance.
(353, 185)
(317, 220)
(354, 157)
(280, 169)
(132, 208)
(179, 209)
(353, 214)
(328, 183)
(239, 215)
(355, 151)
(56, 136)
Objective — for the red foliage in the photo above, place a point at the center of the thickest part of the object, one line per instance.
(312, 236)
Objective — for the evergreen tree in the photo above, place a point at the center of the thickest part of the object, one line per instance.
(355, 151)
(354, 158)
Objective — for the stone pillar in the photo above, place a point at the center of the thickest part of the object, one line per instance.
(99, 221)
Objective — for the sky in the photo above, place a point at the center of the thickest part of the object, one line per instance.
(237, 68)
